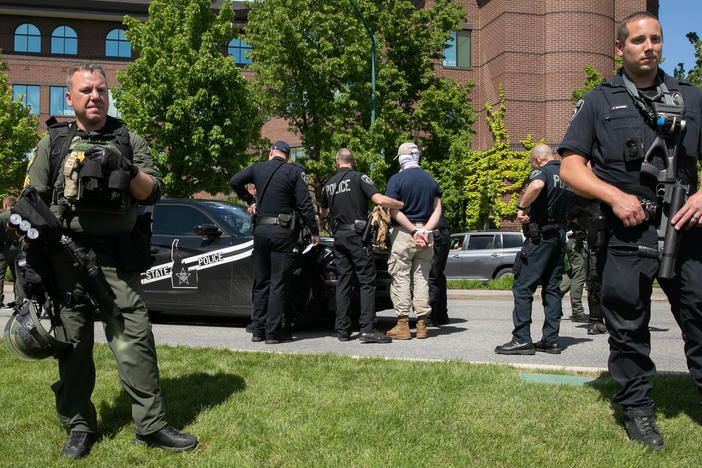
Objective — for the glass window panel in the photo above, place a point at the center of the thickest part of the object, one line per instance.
(64, 40)
(117, 45)
(57, 102)
(480, 242)
(113, 108)
(512, 240)
(174, 220)
(463, 59)
(27, 38)
(29, 94)
(237, 49)
(450, 51)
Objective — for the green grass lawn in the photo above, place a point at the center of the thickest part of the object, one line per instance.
(279, 410)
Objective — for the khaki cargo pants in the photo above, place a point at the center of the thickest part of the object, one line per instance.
(409, 267)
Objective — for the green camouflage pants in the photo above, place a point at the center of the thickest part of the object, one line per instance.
(130, 339)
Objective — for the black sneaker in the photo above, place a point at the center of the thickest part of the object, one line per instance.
(643, 429)
(513, 347)
(256, 338)
(596, 328)
(580, 318)
(78, 445)
(374, 337)
(551, 348)
(168, 438)
(342, 335)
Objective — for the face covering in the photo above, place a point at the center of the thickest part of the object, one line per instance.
(409, 160)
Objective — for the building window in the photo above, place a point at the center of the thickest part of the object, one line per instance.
(57, 102)
(117, 45)
(457, 50)
(64, 40)
(27, 38)
(238, 48)
(29, 96)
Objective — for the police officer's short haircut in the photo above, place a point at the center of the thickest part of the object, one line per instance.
(84, 66)
(345, 156)
(623, 28)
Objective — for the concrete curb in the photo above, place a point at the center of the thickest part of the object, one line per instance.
(497, 294)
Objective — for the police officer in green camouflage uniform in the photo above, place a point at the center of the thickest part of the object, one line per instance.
(100, 226)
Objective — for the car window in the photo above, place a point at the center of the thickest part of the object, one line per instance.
(235, 217)
(512, 240)
(178, 220)
(481, 241)
(457, 242)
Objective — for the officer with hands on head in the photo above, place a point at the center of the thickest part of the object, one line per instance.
(346, 196)
(618, 126)
(103, 226)
(542, 211)
(281, 191)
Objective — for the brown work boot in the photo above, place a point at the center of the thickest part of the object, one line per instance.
(422, 330)
(400, 331)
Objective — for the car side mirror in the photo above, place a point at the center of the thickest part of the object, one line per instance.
(208, 230)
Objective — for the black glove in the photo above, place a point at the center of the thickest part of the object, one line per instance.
(111, 160)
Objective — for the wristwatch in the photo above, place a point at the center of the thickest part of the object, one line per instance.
(521, 208)
(414, 231)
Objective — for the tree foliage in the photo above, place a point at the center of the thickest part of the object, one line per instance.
(187, 97)
(312, 66)
(694, 76)
(17, 136)
(592, 79)
(495, 177)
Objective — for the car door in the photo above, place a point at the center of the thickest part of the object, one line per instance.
(178, 280)
(453, 261)
(478, 258)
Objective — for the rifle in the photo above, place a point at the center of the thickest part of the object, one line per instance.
(37, 224)
(672, 193)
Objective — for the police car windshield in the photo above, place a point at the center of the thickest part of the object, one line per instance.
(234, 216)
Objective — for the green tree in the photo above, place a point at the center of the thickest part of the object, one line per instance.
(495, 177)
(694, 76)
(187, 97)
(592, 79)
(17, 136)
(312, 65)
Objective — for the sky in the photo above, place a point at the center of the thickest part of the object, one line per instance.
(679, 17)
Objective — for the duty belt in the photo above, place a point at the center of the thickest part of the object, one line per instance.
(267, 220)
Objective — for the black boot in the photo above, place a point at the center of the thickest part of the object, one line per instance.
(168, 438)
(78, 445)
(643, 429)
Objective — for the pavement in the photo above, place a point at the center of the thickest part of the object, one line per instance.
(479, 321)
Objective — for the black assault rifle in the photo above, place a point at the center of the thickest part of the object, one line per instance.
(672, 194)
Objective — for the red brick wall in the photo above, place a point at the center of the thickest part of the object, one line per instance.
(535, 49)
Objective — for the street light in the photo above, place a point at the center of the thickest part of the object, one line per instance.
(372, 38)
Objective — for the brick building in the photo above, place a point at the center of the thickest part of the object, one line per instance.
(535, 49)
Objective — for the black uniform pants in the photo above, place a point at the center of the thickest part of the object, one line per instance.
(274, 254)
(594, 287)
(437, 279)
(541, 263)
(626, 304)
(352, 257)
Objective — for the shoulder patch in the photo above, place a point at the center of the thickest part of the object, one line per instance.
(535, 173)
(576, 109)
(303, 176)
(32, 157)
(366, 179)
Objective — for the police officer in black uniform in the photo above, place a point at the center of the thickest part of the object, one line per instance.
(543, 209)
(281, 191)
(346, 196)
(438, 299)
(619, 126)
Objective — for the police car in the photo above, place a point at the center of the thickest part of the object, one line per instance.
(202, 251)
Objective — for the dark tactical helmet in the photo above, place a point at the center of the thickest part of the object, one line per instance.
(26, 337)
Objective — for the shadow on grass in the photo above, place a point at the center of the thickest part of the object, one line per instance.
(674, 394)
(184, 398)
